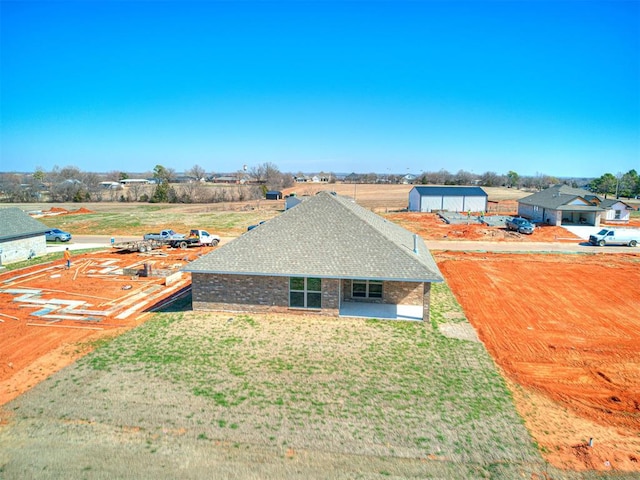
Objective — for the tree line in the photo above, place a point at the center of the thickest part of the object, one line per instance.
(70, 184)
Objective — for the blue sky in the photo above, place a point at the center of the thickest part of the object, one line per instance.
(538, 87)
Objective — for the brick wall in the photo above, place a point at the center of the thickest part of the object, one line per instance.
(247, 293)
(406, 293)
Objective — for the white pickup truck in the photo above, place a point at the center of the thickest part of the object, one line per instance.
(196, 238)
(615, 236)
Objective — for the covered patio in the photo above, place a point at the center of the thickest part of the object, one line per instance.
(382, 311)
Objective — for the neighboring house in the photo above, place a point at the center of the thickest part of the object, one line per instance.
(562, 205)
(21, 237)
(615, 211)
(273, 195)
(408, 179)
(329, 256)
(452, 199)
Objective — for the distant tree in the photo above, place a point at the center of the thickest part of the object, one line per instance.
(370, 177)
(11, 189)
(491, 179)
(135, 193)
(163, 175)
(269, 174)
(604, 185)
(70, 173)
(441, 177)
(258, 173)
(272, 175)
(629, 184)
(463, 178)
(197, 172)
(513, 179)
(39, 175)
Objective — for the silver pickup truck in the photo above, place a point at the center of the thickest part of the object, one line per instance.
(166, 236)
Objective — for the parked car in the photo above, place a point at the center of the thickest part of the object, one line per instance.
(520, 225)
(57, 235)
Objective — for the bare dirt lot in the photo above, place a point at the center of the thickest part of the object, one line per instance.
(51, 315)
(565, 329)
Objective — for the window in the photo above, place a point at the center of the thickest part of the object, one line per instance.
(366, 289)
(618, 214)
(305, 292)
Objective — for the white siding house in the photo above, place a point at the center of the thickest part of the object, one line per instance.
(616, 211)
(22, 236)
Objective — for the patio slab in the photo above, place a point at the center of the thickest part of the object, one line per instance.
(382, 311)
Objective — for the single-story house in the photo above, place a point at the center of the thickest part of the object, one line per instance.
(615, 211)
(328, 256)
(22, 237)
(562, 205)
(273, 195)
(428, 198)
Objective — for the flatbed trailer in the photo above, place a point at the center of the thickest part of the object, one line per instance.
(141, 246)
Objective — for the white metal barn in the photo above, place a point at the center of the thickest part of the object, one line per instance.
(452, 199)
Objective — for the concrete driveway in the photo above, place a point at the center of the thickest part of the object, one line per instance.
(582, 231)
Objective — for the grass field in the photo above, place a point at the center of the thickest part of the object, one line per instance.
(194, 395)
(391, 399)
(230, 219)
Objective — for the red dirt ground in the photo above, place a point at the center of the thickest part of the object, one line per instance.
(431, 227)
(565, 329)
(33, 345)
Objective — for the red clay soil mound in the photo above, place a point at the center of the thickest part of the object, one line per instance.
(80, 211)
(567, 329)
(431, 227)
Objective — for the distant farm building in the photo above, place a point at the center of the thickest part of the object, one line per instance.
(273, 195)
(451, 199)
(135, 181)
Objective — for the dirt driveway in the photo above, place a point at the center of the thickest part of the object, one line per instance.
(565, 330)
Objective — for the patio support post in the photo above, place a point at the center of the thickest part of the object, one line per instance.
(426, 301)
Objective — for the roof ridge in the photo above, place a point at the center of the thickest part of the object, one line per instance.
(409, 250)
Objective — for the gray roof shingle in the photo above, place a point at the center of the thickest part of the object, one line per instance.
(16, 223)
(559, 197)
(326, 236)
(427, 190)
